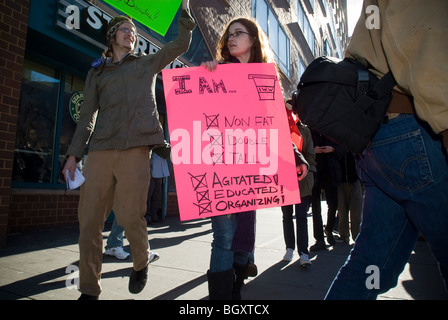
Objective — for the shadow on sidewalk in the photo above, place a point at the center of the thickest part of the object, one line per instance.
(182, 289)
(290, 281)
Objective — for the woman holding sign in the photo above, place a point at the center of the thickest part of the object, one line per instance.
(119, 123)
(243, 41)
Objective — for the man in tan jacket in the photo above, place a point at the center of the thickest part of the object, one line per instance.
(405, 168)
(119, 122)
(410, 42)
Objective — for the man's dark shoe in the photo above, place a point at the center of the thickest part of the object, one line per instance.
(138, 280)
(87, 297)
(319, 245)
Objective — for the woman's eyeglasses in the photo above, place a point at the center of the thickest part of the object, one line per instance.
(236, 34)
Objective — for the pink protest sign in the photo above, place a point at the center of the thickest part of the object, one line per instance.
(230, 141)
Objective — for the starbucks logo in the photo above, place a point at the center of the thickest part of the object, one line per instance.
(75, 105)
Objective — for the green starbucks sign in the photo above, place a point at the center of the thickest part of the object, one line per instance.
(75, 105)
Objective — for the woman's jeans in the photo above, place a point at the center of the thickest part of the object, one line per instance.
(301, 210)
(222, 256)
(405, 173)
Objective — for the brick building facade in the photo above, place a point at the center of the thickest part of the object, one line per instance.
(13, 32)
(43, 66)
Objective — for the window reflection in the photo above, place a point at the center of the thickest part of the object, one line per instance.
(33, 156)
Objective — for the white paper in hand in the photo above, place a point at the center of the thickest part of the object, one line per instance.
(77, 182)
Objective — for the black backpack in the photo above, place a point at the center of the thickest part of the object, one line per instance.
(343, 101)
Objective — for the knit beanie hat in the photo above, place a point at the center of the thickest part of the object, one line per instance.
(114, 24)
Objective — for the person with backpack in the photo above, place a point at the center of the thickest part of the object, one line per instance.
(405, 167)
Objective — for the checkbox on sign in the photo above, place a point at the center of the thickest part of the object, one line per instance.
(199, 181)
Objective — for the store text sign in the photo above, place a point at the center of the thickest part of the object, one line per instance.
(86, 21)
(231, 145)
(155, 14)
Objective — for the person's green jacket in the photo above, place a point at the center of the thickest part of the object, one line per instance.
(119, 109)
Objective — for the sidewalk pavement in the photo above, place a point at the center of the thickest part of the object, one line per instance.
(38, 265)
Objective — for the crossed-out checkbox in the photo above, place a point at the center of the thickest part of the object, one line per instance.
(199, 183)
(212, 121)
(217, 140)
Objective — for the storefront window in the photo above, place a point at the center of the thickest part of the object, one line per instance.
(46, 123)
(33, 156)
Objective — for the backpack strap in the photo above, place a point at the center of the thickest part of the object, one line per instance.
(385, 85)
(380, 89)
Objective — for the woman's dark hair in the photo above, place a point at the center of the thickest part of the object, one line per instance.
(260, 52)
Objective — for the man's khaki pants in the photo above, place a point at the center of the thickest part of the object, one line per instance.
(118, 180)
